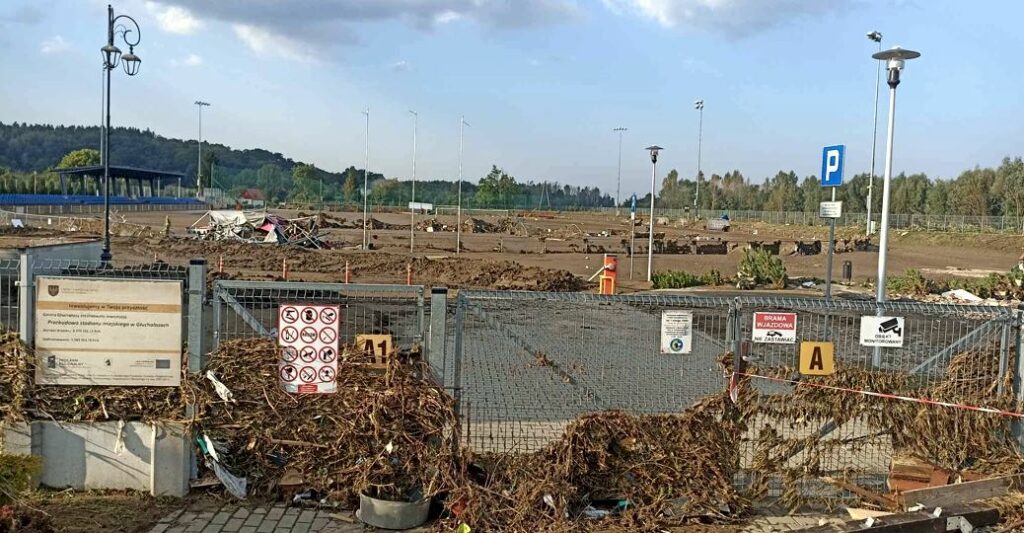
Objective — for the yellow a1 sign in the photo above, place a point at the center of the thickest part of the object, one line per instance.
(817, 358)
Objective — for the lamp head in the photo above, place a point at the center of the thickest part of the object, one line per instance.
(111, 55)
(654, 149)
(131, 62)
(875, 36)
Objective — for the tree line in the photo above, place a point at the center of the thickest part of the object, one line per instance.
(29, 154)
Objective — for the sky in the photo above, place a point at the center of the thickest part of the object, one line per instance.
(541, 83)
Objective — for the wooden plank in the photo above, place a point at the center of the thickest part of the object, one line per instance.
(864, 494)
(963, 492)
(916, 522)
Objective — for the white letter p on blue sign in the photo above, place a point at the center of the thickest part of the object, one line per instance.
(832, 159)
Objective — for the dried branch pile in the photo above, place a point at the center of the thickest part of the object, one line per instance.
(21, 398)
(388, 432)
(659, 470)
(787, 439)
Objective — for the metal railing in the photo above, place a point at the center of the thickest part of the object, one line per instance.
(248, 309)
(525, 364)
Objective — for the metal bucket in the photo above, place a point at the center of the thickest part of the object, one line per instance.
(387, 514)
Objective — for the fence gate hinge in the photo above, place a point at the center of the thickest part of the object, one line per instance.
(959, 523)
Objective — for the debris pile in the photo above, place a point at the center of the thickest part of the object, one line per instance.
(388, 432)
(258, 228)
(844, 436)
(630, 471)
(22, 399)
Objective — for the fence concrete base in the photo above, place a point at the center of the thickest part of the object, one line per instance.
(105, 455)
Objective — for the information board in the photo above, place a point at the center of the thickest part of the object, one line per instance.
(108, 332)
(676, 332)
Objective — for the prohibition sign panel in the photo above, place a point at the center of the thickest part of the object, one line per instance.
(308, 340)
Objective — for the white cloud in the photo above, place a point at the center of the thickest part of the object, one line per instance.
(174, 19)
(445, 17)
(265, 42)
(54, 45)
(400, 66)
(733, 18)
(191, 60)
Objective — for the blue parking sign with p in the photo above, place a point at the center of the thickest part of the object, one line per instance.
(832, 160)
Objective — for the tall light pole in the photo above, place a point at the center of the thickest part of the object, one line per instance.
(199, 168)
(699, 106)
(458, 227)
(366, 182)
(876, 37)
(618, 177)
(895, 59)
(111, 58)
(412, 209)
(650, 223)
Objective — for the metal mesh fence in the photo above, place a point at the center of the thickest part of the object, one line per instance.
(9, 306)
(936, 338)
(528, 363)
(525, 364)
(248, 309)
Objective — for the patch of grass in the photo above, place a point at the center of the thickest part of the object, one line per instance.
(115, 511)
(678, 279)
(758, 268)
(16, 474)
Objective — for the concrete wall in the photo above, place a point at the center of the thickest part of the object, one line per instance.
(106, 455)
(50, 249)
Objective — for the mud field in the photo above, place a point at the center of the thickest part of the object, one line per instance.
(542, 251)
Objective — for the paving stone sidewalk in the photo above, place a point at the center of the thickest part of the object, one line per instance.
(231, 518)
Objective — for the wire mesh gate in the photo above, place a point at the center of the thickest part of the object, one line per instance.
(525, 364)
(248, 309)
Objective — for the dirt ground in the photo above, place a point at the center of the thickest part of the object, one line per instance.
(114, 511)
(539, 249)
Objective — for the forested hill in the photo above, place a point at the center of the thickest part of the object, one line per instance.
(38, 147)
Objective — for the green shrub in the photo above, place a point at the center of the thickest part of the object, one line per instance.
(678, 279)
(910, 282)
(759, 267)
(16, 473)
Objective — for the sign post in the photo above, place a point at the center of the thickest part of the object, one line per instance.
(632, 232)
(832, 159)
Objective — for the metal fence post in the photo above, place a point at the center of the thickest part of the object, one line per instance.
(216, 305)
(1018, 378)
(456, 378)
(196, 295)
(733, 332)
(437, 352)
(26, 299)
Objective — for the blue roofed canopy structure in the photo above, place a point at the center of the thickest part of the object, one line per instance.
(129, 182)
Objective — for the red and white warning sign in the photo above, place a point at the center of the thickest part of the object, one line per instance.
(774, 328)
(308, 339)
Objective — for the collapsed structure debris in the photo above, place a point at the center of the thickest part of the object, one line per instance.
(258, 228)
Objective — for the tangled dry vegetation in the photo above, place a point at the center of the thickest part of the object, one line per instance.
(22, 398)
(786, 443)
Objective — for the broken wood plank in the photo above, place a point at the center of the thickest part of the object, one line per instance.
(860, 514)
(963, 492)
(916, 522)
(865, 494)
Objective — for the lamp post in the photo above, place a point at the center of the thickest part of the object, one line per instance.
(876, 37)
(650, 223)
(199, 168)
(458, 209)
(412, 209)
(111, 58)
(895, 59)
(366, 182)
(618, 177)
(699, 106)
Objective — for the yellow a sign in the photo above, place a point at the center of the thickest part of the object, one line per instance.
(817, 358)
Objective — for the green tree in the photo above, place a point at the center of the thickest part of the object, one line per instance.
(349, 188)
(306, 186)
(783, 193)
(813, 193)
(937, 202)
(83, 157)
